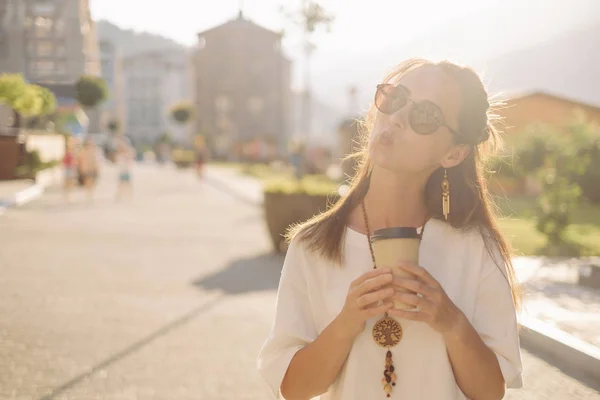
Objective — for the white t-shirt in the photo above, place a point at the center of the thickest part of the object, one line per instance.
(312, 292)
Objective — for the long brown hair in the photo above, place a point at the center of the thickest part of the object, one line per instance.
(472, 206)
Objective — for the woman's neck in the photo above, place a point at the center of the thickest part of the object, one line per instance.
(395, 199)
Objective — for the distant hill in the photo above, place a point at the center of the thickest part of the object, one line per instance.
(567, 65)
(131, 42)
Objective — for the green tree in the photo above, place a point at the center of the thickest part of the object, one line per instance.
(182, 112)
(91, 91)
(48, 101)
(25, 99)
(113, 126)
(166, 138)
(20, 96)
(557, 159)
(12, 88)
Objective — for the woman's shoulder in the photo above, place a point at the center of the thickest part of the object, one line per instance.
(475, 242)
(301, 253)
(473, 236)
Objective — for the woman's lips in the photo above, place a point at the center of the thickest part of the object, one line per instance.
(386, 137)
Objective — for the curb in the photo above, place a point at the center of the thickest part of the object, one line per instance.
(576, 357)
(222, 184)
(22, 197)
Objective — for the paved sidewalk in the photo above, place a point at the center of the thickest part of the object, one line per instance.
(552, 295)
(245, 188)
(9, 188)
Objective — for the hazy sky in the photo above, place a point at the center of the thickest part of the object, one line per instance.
(359, 24)
(368, 29)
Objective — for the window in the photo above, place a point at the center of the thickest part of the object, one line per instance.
(44, 48)
(85, 28)
(59, 27)
(31, 49)
(43, 27)
(222, 103)
(4, 46)
(42, 68)
(201, 42)
(256, 104)
(61, 68)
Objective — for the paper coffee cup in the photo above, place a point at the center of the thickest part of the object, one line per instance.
(391, 247)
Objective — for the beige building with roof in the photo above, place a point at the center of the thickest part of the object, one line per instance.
(241, 85)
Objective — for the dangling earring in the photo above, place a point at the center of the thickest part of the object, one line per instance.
(445, 195)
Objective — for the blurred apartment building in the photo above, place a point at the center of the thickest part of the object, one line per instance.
(50, 42)
(113, 109)
(241, 86)
(153, 82)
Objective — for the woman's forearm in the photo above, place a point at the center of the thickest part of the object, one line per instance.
(475, 365)
(315, 367)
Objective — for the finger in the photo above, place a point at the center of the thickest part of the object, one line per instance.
(420, 272)
(371, 274)
(414, 286)
(373, 284)
(373, 311)
(412, 315)
(373, 297)
(419, 302)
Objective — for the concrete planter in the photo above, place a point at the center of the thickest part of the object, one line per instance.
(183, 164)
(283, 210)
(589, 275)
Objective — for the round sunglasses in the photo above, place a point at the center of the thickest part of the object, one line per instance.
(424, 117)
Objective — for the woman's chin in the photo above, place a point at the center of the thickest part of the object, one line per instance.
(383, 161)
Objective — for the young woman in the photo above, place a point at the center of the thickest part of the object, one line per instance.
(421, 167)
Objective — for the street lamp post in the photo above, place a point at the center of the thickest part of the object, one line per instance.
(310, 17)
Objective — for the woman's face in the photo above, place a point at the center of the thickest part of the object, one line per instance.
(394, 145)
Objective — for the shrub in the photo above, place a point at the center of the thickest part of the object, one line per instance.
(558, 160)
(315, 185)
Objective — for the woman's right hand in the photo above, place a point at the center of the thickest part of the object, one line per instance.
(362, 300)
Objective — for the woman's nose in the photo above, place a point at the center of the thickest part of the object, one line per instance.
(400, 118)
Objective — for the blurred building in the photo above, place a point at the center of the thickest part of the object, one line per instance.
(523, 109)
(113, 108)
(153, 82)
(242, 85)
(49, 42)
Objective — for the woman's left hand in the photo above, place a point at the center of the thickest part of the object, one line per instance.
(434, 306)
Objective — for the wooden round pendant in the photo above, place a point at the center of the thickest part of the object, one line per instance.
(387, 332)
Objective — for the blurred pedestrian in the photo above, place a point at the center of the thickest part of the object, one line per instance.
(200, 155)
(124, 162)
(69, 163)
(88, 166)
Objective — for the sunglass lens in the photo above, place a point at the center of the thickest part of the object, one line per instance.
(425, 118)
(389, 99)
